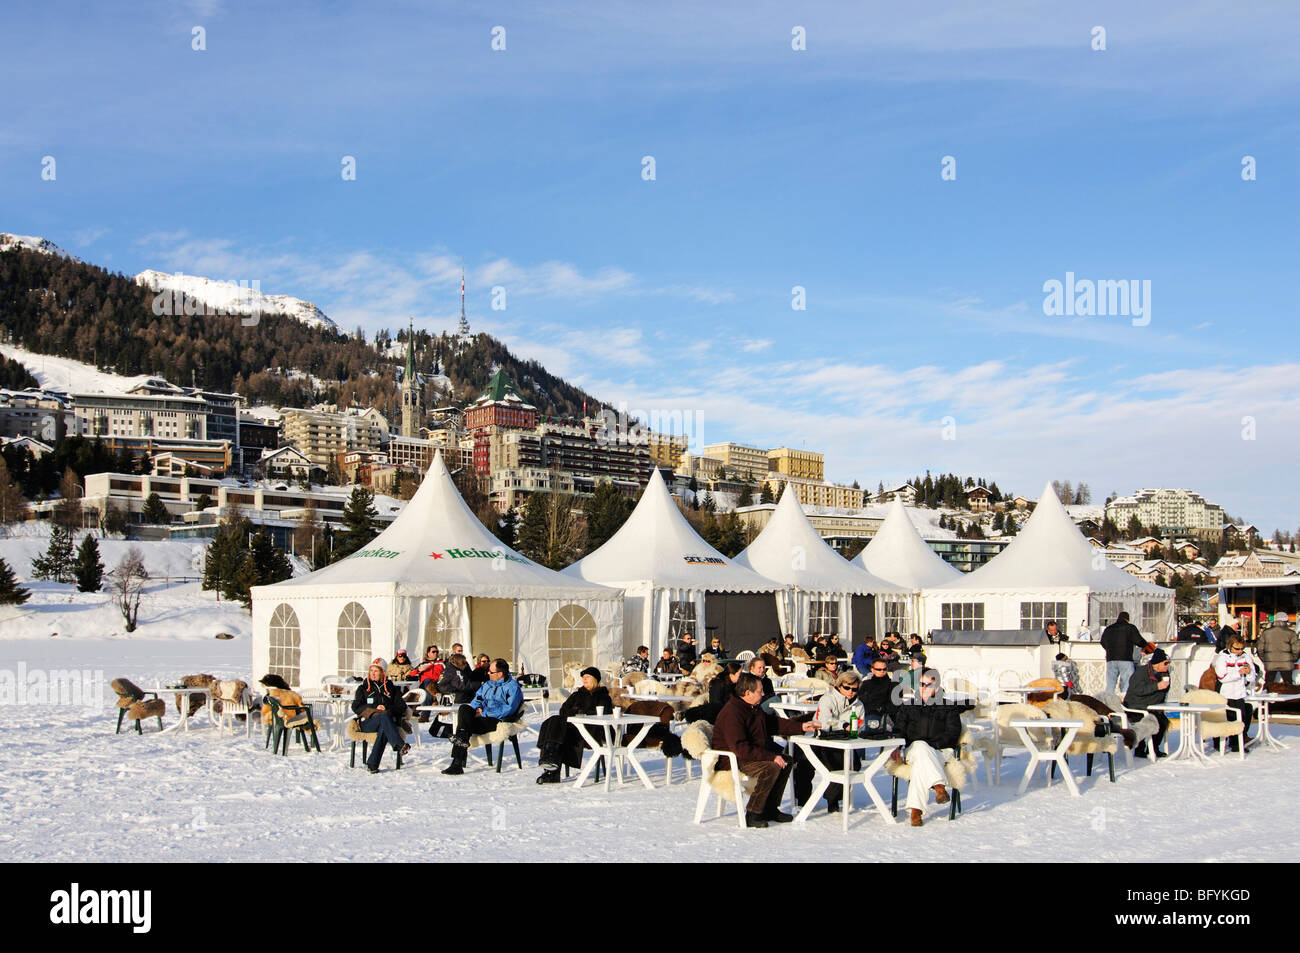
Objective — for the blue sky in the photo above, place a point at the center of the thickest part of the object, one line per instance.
(774, 168)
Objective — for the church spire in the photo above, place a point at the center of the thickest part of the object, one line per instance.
(410, 351)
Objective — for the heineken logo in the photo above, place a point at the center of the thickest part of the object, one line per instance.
(378, 552)
(479, 554)
(708, 560)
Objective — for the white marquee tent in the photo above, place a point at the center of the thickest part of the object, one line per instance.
(824, 591)
(675, 582)
(899, 555)
(1049, 571)
(436, 575)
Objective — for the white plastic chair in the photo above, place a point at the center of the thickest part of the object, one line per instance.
(708, 765)
(745, 656)
(240, 706)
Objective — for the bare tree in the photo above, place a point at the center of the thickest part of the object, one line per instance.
(566, 532)
(127, 581)
(12, 505)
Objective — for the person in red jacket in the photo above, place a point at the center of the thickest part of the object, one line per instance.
(745, 731)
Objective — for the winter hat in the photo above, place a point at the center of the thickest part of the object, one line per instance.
(1159, 656)
(401, 653)
(593, 672)
(1280, 617)
(383, 666)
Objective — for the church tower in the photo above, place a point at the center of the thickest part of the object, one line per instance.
(412, 392)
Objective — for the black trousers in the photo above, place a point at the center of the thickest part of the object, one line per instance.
(804, 774)
(469, 723)
(557, 730)
(1247, 713)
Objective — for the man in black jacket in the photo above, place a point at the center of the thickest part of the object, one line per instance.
(557, 740)
(879, 693)
(1119, 640)
(379, 708)
(931, 727)
(1150, 686)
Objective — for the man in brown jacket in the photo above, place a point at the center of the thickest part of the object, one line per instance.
(744, 730)
(1278, 649)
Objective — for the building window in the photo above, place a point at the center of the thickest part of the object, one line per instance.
(681, 620)
(1108, 612)
(354, 640)
(441, 629)
(1036, 615)
(964, 615)
(571, 640)
(1153, 618)
(896, 620)
(284, 642)
(823, 618)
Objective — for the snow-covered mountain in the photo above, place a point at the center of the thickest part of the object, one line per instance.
(231, 297)
(33, 243)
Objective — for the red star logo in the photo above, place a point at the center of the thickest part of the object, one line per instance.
(436, 555)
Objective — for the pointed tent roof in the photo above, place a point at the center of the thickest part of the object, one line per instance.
(438, 545)
(1051, 553)
(658, 546)
(790, 551)
(898, 554)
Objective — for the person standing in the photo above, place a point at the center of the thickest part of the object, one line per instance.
(1119, 640)
(1278, 650)
(1236, 675)
(742, 729)
(1149, 686)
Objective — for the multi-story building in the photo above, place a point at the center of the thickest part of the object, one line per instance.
(168, 416)
(500, 406)
(666, 449)
(904, 491)
(699, 466)
(31, 413)
(817, 493)
(323, 432)
(511, 487)
(581, 448)
(739, 460)
(804, 464)
(1174, 511)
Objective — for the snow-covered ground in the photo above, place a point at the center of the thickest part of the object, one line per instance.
(72, 790)
(231, 297)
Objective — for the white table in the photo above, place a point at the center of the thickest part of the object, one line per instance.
(1189, 738)
(185, 691)
(612, 749)
(797, 694)
(845, 775)
(1070, 727)
(1028, 690)
(340, 708)
(668, 678)
(1263, 701)
(793, 709)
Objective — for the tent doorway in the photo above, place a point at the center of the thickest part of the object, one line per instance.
(864, 619)
(744, 620)
(492, 628)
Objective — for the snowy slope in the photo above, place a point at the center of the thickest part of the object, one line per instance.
(73, 377)
(33, 243)
(229, 297)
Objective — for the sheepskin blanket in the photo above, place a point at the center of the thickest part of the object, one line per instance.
(147, 708)
(958, 771)
(1128, 734)
(705, 672)
(198, 699)
(695, 742)
(127, 692)
(1013, 712)
(231, 690)
(1142, 728)
(352, 730)
(1086, 741)
(572, 677)
(290, 700)
(632, 678)
(1214, 724)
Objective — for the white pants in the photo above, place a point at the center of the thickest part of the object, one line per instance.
(927, 771)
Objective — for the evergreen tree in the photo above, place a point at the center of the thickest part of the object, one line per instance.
(1010, 528)
(155, 511)
(694, 487)
(708, 502)
(11, 594)
(999, 521)
(1135, 530)
(203, 501)
(607, 510)
(747, 495)
(530, 538)
(57, 563)
(731, 535)
(12, 505)
(88, 569)
(261, 565)
(360, 523)
(507, 527)
(766, 495)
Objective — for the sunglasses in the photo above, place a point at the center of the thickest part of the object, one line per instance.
(928, 684)
(851, 689)
(882, 671)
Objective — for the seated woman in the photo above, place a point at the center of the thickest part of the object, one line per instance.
(829, 670)
(456, 685)
(479, 674)
(557, 740)
(429, 669)
(721, 691)
(379, 708)
(400, 667)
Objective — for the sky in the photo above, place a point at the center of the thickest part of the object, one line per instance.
(920, 171)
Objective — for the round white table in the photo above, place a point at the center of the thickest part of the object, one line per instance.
(1189, 737)
(1264, 701)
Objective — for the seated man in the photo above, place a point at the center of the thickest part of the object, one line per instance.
(833, 647)
(828, 671)
(639, 662)
(931, 728)
(668, 664)
(379, 708)
(742, 729)
(557, 740)
(879, 693)
(1150, 686)
(910, 681)
(498, 699)
(863, 654)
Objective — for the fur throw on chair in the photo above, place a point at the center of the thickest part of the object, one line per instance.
(272, 680)
(147, 708)
(695, 741)
(231, 690)
(704, 672)
(1086, 741)
(127, 692)
(1128, 734)
(290, 700)
(197, 699)
(958, 771)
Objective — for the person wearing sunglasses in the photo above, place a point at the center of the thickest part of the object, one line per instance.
(880, 694)
(829, 670)
(834, 711)
(1236, 675)
(930, 727)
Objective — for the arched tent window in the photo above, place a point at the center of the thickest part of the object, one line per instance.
(354, 640)
(285, 641)
(571, 638)
(441, 628)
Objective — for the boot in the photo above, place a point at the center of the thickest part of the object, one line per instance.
(457, 765)
(916, 817)
(755, 820)
(941, 794)
(672, 746)
(832, 806)
(549, 777)
(550, 760)
(1140, 751)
